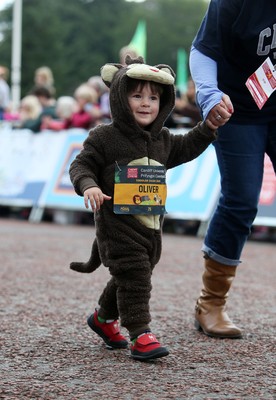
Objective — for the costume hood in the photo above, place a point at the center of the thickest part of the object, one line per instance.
(115, 76)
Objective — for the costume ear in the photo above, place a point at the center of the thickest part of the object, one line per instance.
(132, 60)
(166, 68)
(108, 71)
(163, 75)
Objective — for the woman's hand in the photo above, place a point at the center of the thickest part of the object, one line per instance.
(220, 114)
(95, 197)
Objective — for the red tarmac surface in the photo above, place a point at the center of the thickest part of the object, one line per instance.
(49, 352)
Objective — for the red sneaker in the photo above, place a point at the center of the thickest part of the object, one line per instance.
(147, 347)
(109, 332)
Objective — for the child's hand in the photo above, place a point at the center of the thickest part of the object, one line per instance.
(95, 197)
(46, 121)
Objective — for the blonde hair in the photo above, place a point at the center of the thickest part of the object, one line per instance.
(87, 93)
(30, 107)
(46, 74)
(127, 50)
(65, 106)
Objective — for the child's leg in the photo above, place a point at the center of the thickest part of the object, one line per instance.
(133, 295)
(105, 320)
(108, 301)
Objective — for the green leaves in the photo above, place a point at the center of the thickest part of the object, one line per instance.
(76, 37)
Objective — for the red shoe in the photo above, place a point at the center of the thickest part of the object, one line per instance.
(147, 347)
(109, 332)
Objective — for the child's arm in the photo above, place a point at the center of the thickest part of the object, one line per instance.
(186, 147)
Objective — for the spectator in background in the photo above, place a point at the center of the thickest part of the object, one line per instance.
(127, 50)
(87, 113)
(103, 92)
(103, 96)
(48, 104)
(29, 112)
(46, 99)
(185, 105)
(65, 107)
(47, 108)
(44, 77)
(186, 112)
(4, 91)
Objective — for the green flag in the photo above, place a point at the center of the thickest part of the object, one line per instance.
(182, 70)
(139, 40)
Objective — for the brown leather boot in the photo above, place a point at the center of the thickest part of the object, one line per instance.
(210, 315)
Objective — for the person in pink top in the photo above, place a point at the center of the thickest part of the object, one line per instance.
(86, 114)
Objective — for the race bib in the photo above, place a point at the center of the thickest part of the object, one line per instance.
(140, 190)
(262, 83)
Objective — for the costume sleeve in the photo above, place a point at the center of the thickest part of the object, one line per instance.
(186, 147)
(213, 45)
(85, 169)
(207, 92)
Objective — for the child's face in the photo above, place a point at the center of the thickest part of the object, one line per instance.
(81, 101)
(144, 105)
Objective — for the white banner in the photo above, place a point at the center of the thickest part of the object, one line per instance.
(34, 172)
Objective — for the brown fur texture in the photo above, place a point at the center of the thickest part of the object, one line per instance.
(92, 264)
(123, 244)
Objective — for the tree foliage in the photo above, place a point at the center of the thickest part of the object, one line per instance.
(76, 37)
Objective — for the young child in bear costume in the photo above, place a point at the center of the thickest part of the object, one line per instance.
(141, 99)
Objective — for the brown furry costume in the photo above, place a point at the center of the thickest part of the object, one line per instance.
(130, 246)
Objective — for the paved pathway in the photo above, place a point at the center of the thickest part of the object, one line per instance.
(48, 352)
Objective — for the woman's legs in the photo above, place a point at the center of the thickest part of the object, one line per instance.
(271, 144)
(240, 152)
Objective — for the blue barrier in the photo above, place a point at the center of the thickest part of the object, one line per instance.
(34, 173)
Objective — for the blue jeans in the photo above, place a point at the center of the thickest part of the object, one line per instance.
(240, 151)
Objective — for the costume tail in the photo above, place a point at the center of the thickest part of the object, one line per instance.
(92, 264)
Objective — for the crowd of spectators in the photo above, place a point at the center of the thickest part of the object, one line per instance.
(40, 109)
(88, 106)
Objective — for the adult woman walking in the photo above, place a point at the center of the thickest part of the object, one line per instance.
(234, 40)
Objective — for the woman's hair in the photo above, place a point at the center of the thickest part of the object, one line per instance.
(127, 50)
(134, 84)
(65, 106)
(46, 74)
(44, 77)
(87, 93)
(30, 107)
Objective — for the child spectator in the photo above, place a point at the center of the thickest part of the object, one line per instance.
(29, 112)
(103, 96)
(85, 115)
(65, 107)
(44, 77)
